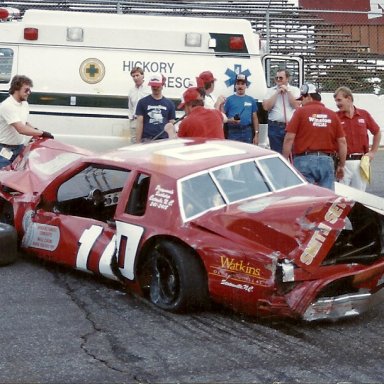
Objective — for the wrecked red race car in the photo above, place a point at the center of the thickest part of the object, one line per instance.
(187, 221)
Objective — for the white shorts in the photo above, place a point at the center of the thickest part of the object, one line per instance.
(352, 175)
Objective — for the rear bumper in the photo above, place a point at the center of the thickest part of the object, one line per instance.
(333, 308)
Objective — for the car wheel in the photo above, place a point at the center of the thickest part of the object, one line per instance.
(8, 241)
(179, 280)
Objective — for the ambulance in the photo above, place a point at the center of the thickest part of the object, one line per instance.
(80, 65)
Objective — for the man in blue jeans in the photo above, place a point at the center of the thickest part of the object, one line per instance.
(241, 111)
(280, 102)
(315, 137)
(14, 112)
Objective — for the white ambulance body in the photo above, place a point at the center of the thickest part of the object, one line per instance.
(80, 65)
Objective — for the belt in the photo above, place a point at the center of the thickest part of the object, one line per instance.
(316, 153)
(9, 145)
(239, 127)
(277, 123)
(355, 156)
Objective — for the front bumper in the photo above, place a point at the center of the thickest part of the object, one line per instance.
(333, 308)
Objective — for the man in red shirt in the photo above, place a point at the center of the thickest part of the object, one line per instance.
(316, 136)
(356, 123)
(200, 121)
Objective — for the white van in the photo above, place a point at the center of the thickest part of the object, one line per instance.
(80, 65)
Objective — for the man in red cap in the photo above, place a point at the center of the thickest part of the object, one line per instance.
(154, 112)
(206, 80)
(200, 121)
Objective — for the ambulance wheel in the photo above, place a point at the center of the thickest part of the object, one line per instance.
(8, 241)
(179, 280)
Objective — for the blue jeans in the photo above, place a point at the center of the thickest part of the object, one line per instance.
(240, 133)
(276, 133)
(318, 170)
(16, 149)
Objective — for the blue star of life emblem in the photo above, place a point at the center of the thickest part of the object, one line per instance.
(233, 73)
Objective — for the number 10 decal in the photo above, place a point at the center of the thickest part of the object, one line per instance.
(126, 240)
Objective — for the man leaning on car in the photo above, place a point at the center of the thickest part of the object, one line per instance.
(317, 137)
(14, 112)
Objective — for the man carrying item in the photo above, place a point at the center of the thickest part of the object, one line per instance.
(14, 113)
(280, 102)
(154, 112)
(316, 135)
(200, 121)
(356, 123)
(241, 110)
(137, 92)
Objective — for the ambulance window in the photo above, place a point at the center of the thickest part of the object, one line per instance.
(6, 61)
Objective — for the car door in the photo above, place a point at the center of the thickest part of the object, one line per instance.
(78, 228)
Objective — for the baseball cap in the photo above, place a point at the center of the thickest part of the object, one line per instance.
(156, 80)
(189, 95)
(207, 76)
(241, 77)
(307, 88)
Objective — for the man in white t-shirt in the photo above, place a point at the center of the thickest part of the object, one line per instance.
(280, 102)
(14, 112)
(137, 92)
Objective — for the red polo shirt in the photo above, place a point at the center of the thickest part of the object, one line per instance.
(202, 122)
(317, 128)
(356, 130)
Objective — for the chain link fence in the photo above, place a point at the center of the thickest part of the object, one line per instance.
(335, 54)
(349, 54)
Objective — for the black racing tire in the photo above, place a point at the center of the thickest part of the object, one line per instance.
(8, 241)
(179, 280)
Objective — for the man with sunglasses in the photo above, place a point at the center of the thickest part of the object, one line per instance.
(315, 138)
(280, 102)
(14, 112)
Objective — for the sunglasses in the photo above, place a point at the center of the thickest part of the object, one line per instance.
(27, 90)
(279, 78)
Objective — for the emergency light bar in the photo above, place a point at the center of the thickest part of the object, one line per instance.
(9, 13)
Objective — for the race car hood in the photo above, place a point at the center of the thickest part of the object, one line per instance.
(39, 163)
(300, 228)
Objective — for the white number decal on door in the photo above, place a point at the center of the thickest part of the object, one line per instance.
(127, 240)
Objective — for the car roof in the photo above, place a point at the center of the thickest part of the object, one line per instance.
(180, 157)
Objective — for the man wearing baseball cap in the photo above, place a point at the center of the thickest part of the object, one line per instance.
(154, 112)
(315, 137)
(200, 121)
(241, 110)
(206, 80)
